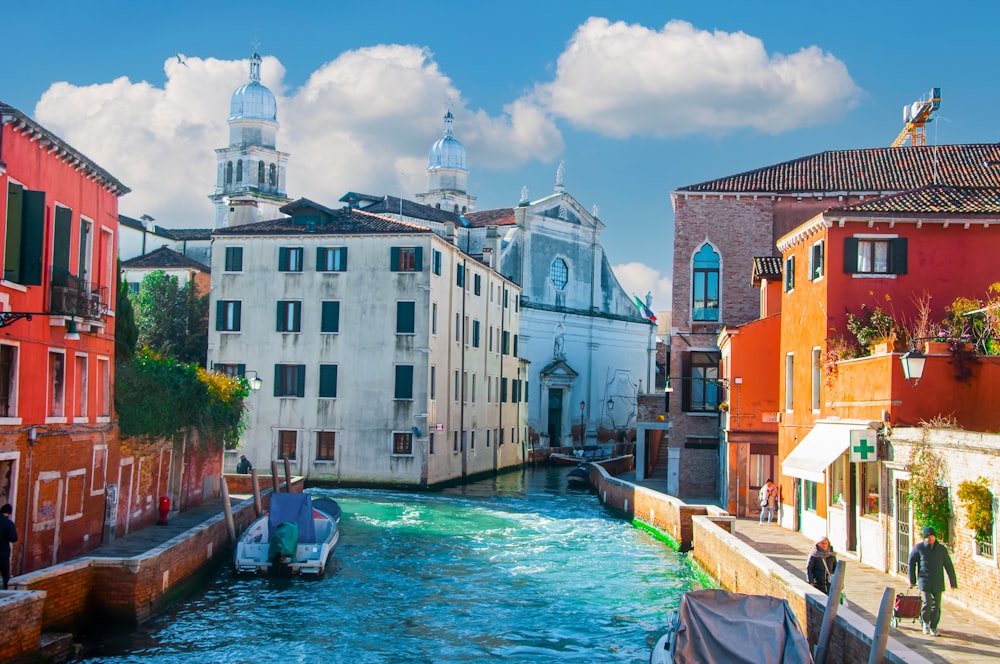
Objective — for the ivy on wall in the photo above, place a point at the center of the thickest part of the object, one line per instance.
(927, 496)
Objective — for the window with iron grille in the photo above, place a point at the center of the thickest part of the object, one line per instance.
(288, 443)
(402, 443)
(326, 445)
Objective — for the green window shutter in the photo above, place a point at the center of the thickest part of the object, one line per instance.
(296, 317)
(405, 317)
(220, 314)
(515, 345)
(60, 246)
(300, 387)
(321, 259)
(899, 255)
(283, 259)
(280, 317)
(404, 382)
(394, 259)
(241, 369)
(237, 311)
(685, 384)
(328, 380)
(278, 370)
(418, 262)
(12, 247)
(850, 255)
(503, 390)
(32, 238)
(330, 317)
(343, 259)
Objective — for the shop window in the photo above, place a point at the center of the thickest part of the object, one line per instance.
(870, 488)
(838, 481)
(809, 495)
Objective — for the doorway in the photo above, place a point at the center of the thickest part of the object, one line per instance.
(555, 416)
(902, 527)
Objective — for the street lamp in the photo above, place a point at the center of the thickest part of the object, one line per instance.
(255, 382)
(913, 365)
(583, 406)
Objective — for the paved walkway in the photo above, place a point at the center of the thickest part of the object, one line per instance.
(965, 637)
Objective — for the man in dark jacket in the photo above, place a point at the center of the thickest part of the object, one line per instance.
(8, 535)
(928, 562)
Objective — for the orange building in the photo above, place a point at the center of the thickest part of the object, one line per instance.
(837, 414)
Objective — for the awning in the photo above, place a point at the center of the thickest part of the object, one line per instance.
(821, 446)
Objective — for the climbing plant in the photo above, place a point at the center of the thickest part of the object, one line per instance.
(927, 496)
(977, 500)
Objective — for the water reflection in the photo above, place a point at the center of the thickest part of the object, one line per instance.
(514, 568)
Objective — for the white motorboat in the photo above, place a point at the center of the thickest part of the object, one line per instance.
(295, 537)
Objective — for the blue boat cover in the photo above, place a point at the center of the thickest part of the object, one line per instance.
(295, 507)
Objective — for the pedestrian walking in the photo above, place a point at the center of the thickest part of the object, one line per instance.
(8, 535)
(929, 560)
(821, 565)
(768, 498)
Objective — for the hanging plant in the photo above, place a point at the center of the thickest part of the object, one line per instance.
(977, 499)
(925, 492)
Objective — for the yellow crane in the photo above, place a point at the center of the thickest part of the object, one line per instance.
(915, 117)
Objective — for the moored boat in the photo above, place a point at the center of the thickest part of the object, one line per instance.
(295, 537)
(579, 477)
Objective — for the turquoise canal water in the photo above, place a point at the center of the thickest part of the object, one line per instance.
(515, 568)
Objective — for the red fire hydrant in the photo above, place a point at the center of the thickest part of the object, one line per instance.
(164, 509)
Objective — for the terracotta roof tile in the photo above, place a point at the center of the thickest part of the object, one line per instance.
(165, 257)
(933, 199)
(765, 267)
(337, 222)
(867, 170)
(498, 217)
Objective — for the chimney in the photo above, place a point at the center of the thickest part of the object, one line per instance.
(449, 232)
(491, 247)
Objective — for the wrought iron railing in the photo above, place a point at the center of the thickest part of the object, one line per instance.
(73, 296)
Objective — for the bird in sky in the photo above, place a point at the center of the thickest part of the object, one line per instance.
(181, 60)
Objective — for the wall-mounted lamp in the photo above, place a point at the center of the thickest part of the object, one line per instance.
(913, 365)
(72, 334)
(255, 382)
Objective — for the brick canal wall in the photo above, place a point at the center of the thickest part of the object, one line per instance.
(70, 596)
(706, 532)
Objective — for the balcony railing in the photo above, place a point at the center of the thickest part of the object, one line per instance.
(73, 296)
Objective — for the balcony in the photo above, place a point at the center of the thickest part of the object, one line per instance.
(72, 296)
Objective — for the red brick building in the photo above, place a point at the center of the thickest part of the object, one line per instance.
(58, 449)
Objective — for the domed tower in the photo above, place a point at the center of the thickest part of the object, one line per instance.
(250, 178)
(447, 174)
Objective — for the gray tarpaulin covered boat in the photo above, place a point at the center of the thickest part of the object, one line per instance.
(296, 537)
(720, 627)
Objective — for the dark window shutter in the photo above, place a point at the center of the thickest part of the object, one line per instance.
(283, 259)
(394, 259)
(850, 255)
(241, 369)
(300, 387)
(328, 380)
(331, 317)
(404, 382)
(32, 237)
(405, 312)
(515, 345)
(237, 311)
(12, 249)
(296, 317)
(343, 259)
(899, 255)
(685, 384)
(503, 390)
(278, 371)
(280, 317)
(418, 262)
(60, 246)
(321, 259)
(220, 315)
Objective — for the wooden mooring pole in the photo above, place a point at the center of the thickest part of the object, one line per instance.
(274, 476)
(288, 476)
(830, 615)
(881, 636)
(255, 481)
(228, 508)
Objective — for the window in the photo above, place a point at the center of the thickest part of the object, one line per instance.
(477, 285)
(272, 175)
(227, 315)
(475, 334)
(701, 373)
(472, 440)
(506, 296)
(705, 285)
(289, 259)
(239, 171)
(81, 386)
(869, 485)
(331, 259)
(809, 495)
(984, 543)
(433, 382)
(874, 255)
(430, 443)
(57, 384)
(503, 390)
(837, 478)
(229, 172)
(104, 387)
(405, 259)
(515, 346)
(234, 259)
(458, 327)
(434, 318)
(436, 261)
(460, 275)
(506, 343)
(330, 320)
(8, 380)
(465, 331)
(789, 274)
(86, 256)
(289, 316)
(465, 386)
(405, 313)
(454, 441)
(289, 380)
(817, 377)
(288, 443)
(816, 261)
(402, 443)
(789, 381)
(326, 445)
(25, 235)
(260, 174)
(473, 388)
(455, 391)
(559, 274)
(404, 382)
(230, 370)
(328, 381)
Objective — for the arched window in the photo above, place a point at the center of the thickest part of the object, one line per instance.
(464, 209)
(439, 206)
(705, 285)
(272, 176)
(559, 274)
(239, 171)
(229, 172)
(456, 208)
(260, 174)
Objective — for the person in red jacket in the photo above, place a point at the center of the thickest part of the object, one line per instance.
(929, 560)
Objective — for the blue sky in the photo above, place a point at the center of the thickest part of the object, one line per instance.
(638, 98)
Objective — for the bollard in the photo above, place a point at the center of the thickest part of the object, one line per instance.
(164, 510)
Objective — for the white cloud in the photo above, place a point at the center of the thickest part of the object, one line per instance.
(639, 279)
(623, 80)
(362, 122)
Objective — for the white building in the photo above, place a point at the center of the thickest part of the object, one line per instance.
(387, 355)
(250, 177)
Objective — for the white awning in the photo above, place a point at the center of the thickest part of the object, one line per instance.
(821, 446)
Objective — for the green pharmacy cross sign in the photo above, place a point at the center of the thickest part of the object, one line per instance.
(863, 446)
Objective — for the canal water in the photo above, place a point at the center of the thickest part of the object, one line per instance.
(516, 568)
